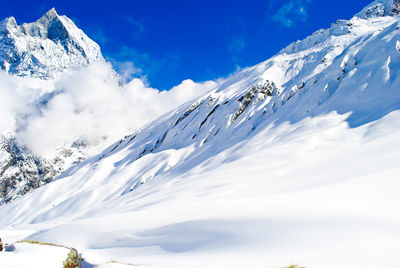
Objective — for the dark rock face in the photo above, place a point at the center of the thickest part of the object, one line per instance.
(396, 7)
(267, 89)
(57, 31)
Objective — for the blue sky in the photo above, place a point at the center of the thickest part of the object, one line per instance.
(169, 41)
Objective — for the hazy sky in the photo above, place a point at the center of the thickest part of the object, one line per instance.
(169, 41)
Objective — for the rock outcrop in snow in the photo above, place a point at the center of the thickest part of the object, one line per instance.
(380, 8)
(45, 48)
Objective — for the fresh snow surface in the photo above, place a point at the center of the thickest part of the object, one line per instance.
(316, 193)
(292, 161)
(34, 255)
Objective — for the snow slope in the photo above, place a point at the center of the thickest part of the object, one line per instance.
(34, 255)
(292, 161)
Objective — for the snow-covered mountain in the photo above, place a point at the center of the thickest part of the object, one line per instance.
(51, 124)
(22, 171)
(380, 8)
(45, 48)
(293, 160)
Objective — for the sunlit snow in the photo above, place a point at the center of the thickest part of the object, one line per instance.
(306, 173)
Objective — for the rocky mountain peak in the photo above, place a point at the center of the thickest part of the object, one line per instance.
(10, 21)
(45, 48)
(380, 8)
(51, 14)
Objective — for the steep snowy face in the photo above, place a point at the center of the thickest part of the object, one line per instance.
(45, 48)
(334, 71)
(380, 8)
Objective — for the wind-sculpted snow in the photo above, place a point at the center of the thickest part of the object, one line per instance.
(294, 160)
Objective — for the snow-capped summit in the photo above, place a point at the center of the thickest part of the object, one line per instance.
(42, 49)
(380, 8)
(45, 48)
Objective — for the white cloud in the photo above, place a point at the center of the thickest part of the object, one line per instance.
(89, 104)
(16, 99)
(9, 103)
(127, 70)
(289, 12)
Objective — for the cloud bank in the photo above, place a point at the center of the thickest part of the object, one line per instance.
(89, 104)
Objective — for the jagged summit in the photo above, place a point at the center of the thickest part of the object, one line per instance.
(380, 8)
(49, 25)
(45, 48)
(51, 13)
